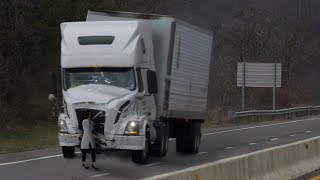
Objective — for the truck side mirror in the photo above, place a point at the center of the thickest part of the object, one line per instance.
(152, 82)
(53, 83)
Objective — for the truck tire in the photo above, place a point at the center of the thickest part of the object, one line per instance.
(142, 156)
(193, 137)
(188, 137)
(160, 146)
(68, 152)
(180, 137)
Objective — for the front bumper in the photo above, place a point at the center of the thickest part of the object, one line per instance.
(125, 143)
(69, 139)
(118, 141)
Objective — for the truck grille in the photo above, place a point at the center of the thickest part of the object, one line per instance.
(99, 121)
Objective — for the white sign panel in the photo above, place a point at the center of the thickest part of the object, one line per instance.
(259, 74)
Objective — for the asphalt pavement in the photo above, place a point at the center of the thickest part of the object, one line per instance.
(216, 144)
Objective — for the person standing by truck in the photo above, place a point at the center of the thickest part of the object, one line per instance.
(88, 141)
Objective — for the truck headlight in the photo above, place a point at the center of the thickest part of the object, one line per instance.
(63, 126)
(132, 128)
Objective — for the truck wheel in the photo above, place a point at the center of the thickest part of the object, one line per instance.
(193, 137)
(188, 137)
(160, 146)
(68, 152)
(180, 137)
(142, 156)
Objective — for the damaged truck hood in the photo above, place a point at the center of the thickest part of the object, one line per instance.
(92, 93)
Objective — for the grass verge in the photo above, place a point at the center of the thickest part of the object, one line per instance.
(27, 137)
(217, 118)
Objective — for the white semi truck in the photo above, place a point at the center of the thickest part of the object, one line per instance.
(143, 77)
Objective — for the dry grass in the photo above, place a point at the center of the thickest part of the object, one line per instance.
(27, 137)
(217, 118)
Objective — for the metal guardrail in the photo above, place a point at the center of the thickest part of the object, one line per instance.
(260, 115)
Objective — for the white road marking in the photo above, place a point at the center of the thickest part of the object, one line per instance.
(100, 175)
(148, 165)
(228, 148)
(171, 139)
(273, 139)
(252, 144)
(202, 153)
(35, 159)
(28, 160)
(253, 127)
(292, 135)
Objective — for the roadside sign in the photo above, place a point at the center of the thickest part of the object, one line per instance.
(258, 75)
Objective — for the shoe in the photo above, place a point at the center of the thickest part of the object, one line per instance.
(85, 166)
(94, 167)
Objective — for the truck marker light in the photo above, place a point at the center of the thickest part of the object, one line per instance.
(133, 132)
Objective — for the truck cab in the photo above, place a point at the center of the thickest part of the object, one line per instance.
(106, 67)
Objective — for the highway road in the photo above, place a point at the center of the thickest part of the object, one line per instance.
(216, 144)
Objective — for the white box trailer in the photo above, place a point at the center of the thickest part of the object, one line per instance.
(143, 77)
(182, 54)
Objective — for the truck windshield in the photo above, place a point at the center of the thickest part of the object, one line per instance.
(119, 77)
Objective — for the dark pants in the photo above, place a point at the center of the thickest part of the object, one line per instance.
(93, 154)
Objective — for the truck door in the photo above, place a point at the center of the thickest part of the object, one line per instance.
(147, 103)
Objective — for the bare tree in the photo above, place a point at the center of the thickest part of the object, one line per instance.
(257, 36)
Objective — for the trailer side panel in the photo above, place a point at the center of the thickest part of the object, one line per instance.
(190, 73)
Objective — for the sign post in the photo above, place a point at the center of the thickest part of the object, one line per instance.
(274, 86)
(243, 87)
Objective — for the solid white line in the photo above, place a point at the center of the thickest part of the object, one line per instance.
(28, 160)
(100, 175)
(153, 164)
(252, 144)
(35, 159)
(292, 135)
(273, 139)
(200, 153)
(253, 127)
(228, 148)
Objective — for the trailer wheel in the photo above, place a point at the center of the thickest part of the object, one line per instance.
(142, 156)
(180, 137)
(188, 137)
(68, 152)
(160, 146)
(193, 137)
